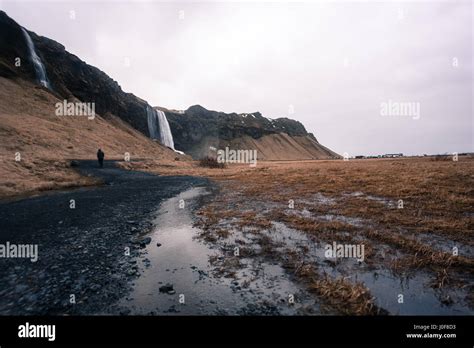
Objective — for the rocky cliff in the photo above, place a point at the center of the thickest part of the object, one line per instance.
(197, 130)
(70, 77)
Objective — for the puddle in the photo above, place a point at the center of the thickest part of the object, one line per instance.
(418, 297)
(319, 199)
(382, 200)
(357, 222)
(385, 201)
(182, 260)
(444, 244)
(341, 218)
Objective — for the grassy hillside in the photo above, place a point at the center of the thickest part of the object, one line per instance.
(46, 142)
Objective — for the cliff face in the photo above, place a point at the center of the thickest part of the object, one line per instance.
(197, 130)
(70, 77)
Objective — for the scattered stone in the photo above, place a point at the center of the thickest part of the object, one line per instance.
(95, 287)
(166, 288)
(447, 300)
(125, 311)
(145, 241)
(172, 309)
(202, 273)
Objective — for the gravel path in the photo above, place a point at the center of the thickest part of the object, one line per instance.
(81, 251)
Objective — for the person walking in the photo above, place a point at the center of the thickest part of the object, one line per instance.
(100, 157)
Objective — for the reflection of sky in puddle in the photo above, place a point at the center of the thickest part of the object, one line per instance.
(419, 297)
(183, 261)
(382, 200)
(442, 243)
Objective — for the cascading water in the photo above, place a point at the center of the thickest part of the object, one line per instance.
(158, 127)
(165, 131)
(37, 63)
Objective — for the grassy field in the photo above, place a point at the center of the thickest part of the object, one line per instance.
(413, 216)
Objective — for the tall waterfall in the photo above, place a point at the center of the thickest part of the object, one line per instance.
(159, 127)
(37, 63)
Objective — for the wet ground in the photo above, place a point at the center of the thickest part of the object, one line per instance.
(419, 296)
(176, 276)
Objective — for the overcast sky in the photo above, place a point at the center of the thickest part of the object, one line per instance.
(330, 66)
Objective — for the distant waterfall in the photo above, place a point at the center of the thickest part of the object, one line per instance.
(159, 127)
(37, 63)
(166, 137)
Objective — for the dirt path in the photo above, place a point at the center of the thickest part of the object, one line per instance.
(82, 236)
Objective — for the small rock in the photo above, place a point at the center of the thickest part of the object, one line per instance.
(145, 242)
(158, 244)
(95, 287)
(172, 309)
(166, 288)
(447, 300)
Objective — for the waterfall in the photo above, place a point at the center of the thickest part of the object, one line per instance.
(166, 137)
(37, 63)
(158, 127)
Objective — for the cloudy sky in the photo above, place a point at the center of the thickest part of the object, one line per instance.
(331, 66)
